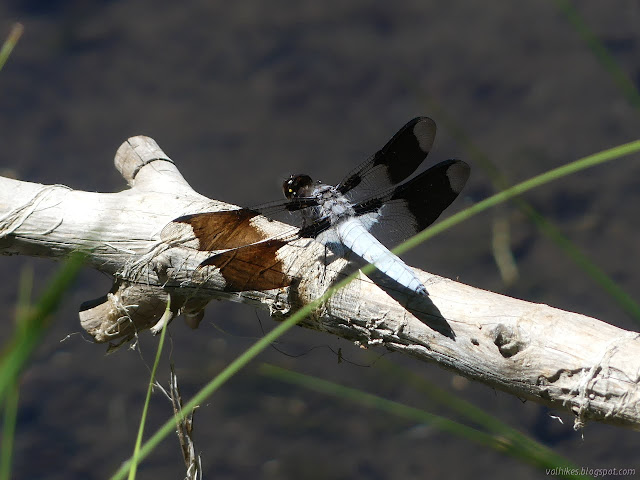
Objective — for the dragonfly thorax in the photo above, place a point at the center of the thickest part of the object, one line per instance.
(331, 204)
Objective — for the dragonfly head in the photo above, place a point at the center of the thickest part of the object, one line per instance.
(297, 186)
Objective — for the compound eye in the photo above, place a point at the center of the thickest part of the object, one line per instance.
(288, 188)
(296, 185)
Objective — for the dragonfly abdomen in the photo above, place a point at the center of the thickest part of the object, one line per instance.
(357, 238)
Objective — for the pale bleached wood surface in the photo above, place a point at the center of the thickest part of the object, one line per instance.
(563, 359)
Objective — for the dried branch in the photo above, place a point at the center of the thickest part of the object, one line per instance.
(562, 359)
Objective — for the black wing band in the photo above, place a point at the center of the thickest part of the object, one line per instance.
(424, 197)
(398, 159)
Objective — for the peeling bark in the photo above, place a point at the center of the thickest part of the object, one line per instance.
(562, 359)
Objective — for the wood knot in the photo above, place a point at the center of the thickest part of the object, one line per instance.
(507, 340)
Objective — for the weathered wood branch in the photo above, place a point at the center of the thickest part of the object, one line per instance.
(562, 359)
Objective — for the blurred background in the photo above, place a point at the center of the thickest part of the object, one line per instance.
(241, 94)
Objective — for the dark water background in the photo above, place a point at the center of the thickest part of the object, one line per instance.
(241, 94)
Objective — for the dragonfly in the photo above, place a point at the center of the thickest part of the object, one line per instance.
(372, 197)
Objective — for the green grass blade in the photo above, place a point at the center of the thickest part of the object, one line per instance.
(9, 391)
(8, 430)
(11, 400)
(546, 227)
(519, 189)
(501, 440)
(462, 407)
(261, 344)
(601, 53)
(442, 397)
(10, 43)
(33, 324)
(231, 369)
(592, 160)
(143, 418)
(23, 305)
(623, 298)
(216, 383)
(627, 87)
